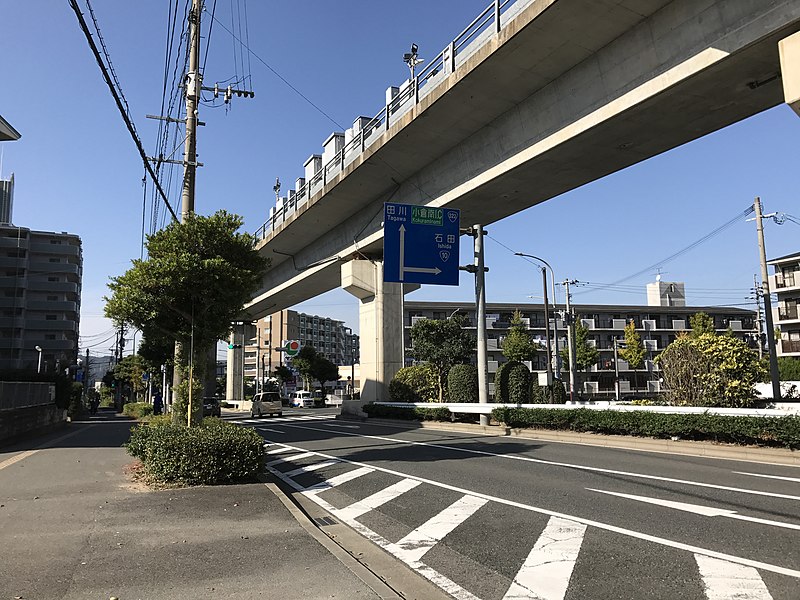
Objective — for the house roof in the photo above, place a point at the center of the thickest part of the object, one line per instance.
(7, 132)
(795, 255)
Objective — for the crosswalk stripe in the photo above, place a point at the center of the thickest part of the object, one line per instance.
(725, 580)
(377, 499)
(291, 458)
(338, 480)
(417, 543)
(310, 468)
(280, 450)
(546, 572)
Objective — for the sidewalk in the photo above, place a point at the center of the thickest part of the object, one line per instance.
(72, 526)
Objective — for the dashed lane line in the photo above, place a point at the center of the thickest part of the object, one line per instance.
(558, 464)
(794, 479)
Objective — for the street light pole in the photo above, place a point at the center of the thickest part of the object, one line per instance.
(555, 358)
(616, 371)
(39, 365)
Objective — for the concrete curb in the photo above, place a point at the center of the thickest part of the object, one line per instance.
(777, 456)
(359, 555)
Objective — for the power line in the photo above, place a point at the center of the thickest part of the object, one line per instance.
(118, 99)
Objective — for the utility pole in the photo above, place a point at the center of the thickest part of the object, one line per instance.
(773, 359)
(259, 373)
(757, 293)
(86, 378)
(570, 319)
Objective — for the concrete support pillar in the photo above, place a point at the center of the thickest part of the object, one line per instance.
(789, 49)
(380, 330)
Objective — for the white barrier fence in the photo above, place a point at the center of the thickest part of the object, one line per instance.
(781, 409)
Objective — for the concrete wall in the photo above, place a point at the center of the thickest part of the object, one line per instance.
(23, 423)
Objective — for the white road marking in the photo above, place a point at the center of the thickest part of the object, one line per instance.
(377, 499)
(727, 581)
(310, 468)
(280, 450)
(417, 543)
(338, 480)
(544, 511)
(292, 458)
(795, 479)
(270, 430)
(344, 426)
(698, 509)
(559, 464)
(546, 572)
(449, 586)
(15, 459)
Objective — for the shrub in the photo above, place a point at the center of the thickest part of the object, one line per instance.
(462, 383)
(512, 383)
(137, 410)
(408, 414)
(537, 395)
(767, 431)
(216, 452)
(558, 393)
(418, 383)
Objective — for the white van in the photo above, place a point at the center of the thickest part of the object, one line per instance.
(266, 403)
(303, 399)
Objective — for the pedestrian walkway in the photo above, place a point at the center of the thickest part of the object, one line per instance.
(75, 527)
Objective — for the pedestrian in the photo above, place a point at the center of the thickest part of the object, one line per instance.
(158, 404)
(94, 404)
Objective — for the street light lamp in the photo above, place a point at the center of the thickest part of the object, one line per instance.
(39, 365)
(554, 358)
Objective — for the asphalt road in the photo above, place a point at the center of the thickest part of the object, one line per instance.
(499, 518)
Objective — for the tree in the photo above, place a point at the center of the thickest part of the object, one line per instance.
(443, 343)
(130, 370)
(324, 370)
(701, 323)
(586, 355)
(789, 368)
(518, 345)
(417, 383)
(194, 282)
(634, 352)
(711, 370)
(304, 363)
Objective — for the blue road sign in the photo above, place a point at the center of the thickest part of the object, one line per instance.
(420, 244)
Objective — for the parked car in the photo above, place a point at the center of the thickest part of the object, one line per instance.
(303, 399)
(212, 407)
(266, 403)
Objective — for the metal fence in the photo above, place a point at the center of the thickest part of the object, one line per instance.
(19, 394)
(483, 28)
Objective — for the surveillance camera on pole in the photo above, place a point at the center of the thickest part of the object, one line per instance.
(412, 60)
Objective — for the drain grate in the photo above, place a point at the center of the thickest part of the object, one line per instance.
(322, 521)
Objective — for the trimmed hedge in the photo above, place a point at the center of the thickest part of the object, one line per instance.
(762, 431)
(513, 383)
(217, 452)
(137, 410)
(462, 383)
(417, 383)
(408, 414)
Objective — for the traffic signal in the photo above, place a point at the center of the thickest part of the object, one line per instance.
(232, 346)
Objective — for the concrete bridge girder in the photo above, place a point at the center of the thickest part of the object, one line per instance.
(564, 95)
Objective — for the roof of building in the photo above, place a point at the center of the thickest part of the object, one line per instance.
(7, 132)
(794, 256)
(584, 308)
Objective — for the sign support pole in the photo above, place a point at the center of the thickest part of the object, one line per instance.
(480, 301)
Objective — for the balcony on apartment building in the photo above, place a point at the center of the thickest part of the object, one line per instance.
(787, 312)
(785, 281)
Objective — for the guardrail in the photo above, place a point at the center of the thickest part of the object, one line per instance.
(489, 20)
(485, 409)
(22, 394)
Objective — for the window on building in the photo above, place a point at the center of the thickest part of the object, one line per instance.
(51, 317)
(52, 279)
(52, 298)
(50, 336)
(55, 260)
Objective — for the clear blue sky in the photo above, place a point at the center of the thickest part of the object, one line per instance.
(78, 171)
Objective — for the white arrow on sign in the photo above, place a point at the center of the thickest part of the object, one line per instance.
(706, 511)
(403, 268)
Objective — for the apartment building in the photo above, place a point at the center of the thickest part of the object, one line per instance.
(657, 325)
(785, 282)
(329, 337)
(40, 293)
